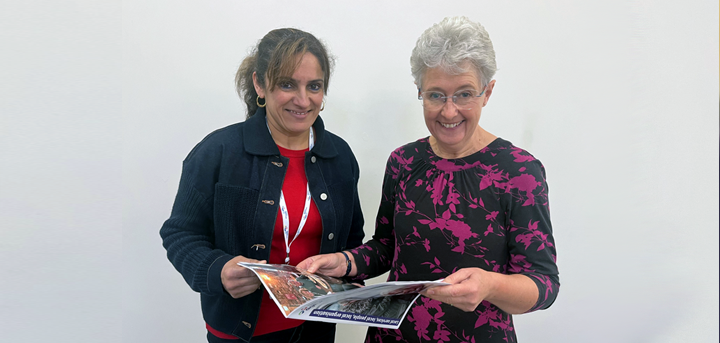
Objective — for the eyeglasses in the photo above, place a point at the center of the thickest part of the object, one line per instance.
(463, 99)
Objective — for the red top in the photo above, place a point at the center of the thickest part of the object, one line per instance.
(307, 243)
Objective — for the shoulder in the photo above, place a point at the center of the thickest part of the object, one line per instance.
(406, 159)
(338, 158)
(409, 153)
(343, 154)
(513, 159)
(340, 144)
(216, 142)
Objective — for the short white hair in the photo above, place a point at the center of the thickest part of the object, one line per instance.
(450, 45)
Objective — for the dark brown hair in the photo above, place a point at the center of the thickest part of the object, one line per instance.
(276, 57)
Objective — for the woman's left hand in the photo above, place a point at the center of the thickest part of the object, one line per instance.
(469, 287)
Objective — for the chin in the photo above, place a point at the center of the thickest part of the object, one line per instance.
(449, 141)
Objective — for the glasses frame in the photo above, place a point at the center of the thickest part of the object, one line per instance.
(446, 97)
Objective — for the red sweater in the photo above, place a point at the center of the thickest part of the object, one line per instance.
(307, 243)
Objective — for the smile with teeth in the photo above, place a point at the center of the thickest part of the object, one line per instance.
(298, 113)
(450, 126)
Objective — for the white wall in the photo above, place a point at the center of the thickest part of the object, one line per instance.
(99, 104)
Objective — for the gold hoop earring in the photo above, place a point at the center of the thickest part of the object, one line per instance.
(257, 101)
(322, 107)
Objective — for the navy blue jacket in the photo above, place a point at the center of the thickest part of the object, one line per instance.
(227, 203)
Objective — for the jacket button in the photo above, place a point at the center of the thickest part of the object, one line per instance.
(331, 236)
(268, 202)
(277, 164)
(323, 196)
(313, 159)
(247, 324)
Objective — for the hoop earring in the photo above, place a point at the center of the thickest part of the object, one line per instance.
(322, 107)
(257, 101)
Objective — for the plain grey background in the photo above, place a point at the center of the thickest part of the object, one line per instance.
(101, 101)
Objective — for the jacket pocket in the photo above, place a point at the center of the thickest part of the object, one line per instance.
(235, 208)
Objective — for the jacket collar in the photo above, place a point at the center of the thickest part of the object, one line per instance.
(258, 141)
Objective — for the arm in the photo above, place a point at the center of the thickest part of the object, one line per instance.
(357, 226)
(532, 279)
(329, 264)
(531, 244)
(514, 293)
(188, 235)
(375, 255)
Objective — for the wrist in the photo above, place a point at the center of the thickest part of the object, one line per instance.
(214, 281)
(348, 264)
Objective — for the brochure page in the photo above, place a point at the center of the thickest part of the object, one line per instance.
(307, 296)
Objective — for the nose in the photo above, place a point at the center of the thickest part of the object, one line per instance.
(301, 99)
(449, 109)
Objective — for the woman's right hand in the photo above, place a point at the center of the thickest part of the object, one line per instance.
(327, 264)
(239, 281)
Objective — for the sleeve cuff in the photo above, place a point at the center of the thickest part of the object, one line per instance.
(214, 280)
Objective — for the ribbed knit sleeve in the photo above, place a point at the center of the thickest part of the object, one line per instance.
(188, 233)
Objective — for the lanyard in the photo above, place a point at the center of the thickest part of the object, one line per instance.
(284, 210)
(286, 221)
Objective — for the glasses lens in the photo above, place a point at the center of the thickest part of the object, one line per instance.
(433, 99)
(465, 97)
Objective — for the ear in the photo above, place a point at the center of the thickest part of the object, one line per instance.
(488, 92)
(258, 87)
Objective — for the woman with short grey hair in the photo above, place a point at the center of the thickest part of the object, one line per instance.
(450, 45)
(461, 205)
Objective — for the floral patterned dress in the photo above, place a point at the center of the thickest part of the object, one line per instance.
(488, 210)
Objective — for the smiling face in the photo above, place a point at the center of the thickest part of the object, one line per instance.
(454, 131)
(294, 103)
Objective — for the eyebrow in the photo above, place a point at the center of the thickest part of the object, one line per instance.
(280, 79)
(463, 87)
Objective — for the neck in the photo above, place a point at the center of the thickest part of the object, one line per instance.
(295, 142)
(480, 140)
(290, 140)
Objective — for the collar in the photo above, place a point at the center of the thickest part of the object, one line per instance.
(258, 141)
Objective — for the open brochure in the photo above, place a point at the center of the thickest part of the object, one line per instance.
(305, 296)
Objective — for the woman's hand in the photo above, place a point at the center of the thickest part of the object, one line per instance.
(514, 293)
(239, 281)
(469, 287)
(327, 264)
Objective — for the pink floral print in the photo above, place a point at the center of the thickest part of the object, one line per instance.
(488, 210)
